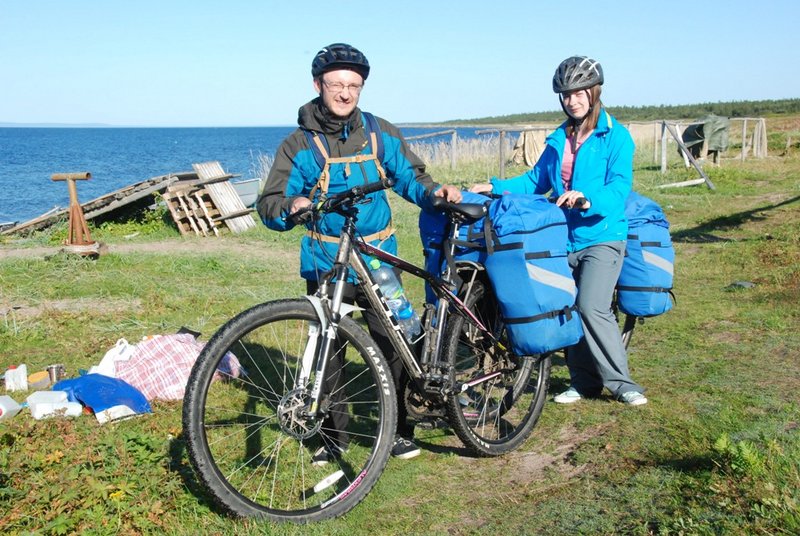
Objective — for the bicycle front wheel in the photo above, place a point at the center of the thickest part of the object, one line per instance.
(255, 441)
(501, 395)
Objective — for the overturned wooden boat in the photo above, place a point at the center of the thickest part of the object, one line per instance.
(140, 195)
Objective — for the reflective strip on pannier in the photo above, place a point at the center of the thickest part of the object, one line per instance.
(645, 282)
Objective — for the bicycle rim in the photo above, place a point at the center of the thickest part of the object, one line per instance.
(501, 395)
(248, 436)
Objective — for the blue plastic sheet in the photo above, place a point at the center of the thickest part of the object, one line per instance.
(100, 393)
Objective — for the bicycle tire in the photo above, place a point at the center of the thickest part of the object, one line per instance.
(247, 439)
(496, 416)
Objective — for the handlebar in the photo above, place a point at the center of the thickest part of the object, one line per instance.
(334, 202)
(579, 202)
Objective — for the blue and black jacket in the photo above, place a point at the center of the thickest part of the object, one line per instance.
(296, 171)
(603, 172)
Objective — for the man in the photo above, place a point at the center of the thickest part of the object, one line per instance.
(336, 147)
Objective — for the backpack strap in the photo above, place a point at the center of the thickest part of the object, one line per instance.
(321, 150)
(373, 134)
(380, 235)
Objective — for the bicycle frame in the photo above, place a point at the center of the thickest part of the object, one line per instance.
(349, 255)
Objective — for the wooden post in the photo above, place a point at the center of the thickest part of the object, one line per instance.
(663, 147)
(78, 234)
(453, 145)
(761, 134)
(690, 157)
(744, 138)
(655, 142)
(502, 155)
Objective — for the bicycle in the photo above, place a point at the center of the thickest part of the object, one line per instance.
(309, 366)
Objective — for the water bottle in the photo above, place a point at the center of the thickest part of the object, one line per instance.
(396, 298)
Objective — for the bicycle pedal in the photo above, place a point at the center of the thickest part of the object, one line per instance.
(432, 424)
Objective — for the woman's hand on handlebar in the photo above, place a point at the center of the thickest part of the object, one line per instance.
(449, 193)
(481, 188)
(573, 199)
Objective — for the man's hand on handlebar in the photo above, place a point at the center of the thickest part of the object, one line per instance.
(298, 203)
(449, 193)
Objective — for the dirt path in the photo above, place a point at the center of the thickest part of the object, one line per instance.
(166, 247)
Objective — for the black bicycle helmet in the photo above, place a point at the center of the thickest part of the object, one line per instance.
(577, 72)
(340, 55)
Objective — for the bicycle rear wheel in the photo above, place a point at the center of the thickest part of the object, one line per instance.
(502, 394)
(251, 438)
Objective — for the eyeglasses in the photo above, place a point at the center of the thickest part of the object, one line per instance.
(338, 87)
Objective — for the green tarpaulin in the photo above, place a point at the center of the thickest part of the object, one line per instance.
(711, 128)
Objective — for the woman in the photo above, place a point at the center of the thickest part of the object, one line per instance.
(587, 164)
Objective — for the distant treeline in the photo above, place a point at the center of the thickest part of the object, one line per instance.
(649, 113)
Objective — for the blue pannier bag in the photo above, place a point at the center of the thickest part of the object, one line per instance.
(644, 287)
(529, 271)
(470, 246)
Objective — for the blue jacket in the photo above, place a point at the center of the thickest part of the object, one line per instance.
(295, 172)
(603, 172)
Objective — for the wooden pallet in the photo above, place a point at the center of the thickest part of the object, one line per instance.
(224, 197)
(193, 210)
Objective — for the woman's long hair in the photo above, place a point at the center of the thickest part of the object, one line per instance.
(594, 112)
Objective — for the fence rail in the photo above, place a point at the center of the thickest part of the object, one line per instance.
(453, 142)
(753, 144)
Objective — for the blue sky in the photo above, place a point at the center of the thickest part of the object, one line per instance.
(247, 63)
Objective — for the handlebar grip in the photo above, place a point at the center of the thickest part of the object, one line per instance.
(577, 205)
(373, 187)
(301, 216)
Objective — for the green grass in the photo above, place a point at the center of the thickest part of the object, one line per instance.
(716, 450)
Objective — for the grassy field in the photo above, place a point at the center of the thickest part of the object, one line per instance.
(716, 451)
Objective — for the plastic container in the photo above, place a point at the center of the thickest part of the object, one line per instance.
(17, 378)
(44, 404)
(8, 407)
(396, 298)
(39, 380)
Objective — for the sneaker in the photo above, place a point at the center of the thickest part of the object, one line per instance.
(567, 397)
(325, 455)
(632, 398)
(404, 449)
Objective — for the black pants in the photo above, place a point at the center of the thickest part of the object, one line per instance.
(339, 420)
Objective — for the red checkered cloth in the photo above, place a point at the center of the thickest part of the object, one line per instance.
(160, 366)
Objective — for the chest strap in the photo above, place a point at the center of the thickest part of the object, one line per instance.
(325, 177)
(380, 235)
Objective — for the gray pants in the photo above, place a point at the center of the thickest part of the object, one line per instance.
(599, 359)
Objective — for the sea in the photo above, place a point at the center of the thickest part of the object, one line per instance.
(118, 157)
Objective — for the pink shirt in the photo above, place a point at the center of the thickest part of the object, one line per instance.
(568, 160)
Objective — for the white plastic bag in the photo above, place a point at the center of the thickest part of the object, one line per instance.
(122, 351)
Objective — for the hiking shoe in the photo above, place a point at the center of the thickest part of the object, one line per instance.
(404, 449)
(325, 455)
(633, 398)
(567, 397)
